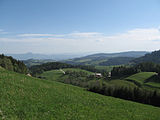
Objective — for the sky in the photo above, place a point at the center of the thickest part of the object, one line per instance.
(79, 26)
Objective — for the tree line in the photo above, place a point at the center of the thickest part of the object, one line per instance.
(136, 94)
(141, 67)
(12, 64)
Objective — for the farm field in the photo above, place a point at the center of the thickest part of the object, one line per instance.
(140, 77)
(77, 70)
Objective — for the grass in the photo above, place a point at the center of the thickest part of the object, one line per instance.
(28, 98)
(122, 83)
(77, 70)
(53, 75)
(153, 84)
(57, 75)
(140, 77)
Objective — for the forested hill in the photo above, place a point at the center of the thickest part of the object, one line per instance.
(11, 64)
(150, 57)
(116, 61)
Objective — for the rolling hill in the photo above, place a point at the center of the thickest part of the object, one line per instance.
(107, 58)
(141, 77)
(32, 62)
(26, 98)
(145, 79)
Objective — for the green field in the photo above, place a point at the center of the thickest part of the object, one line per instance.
(140, 77)
(122, 83)
(52, 75)
(24, 97)
(55, 75)
(77, 70)
(153, 84)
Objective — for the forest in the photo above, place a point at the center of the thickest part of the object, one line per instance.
(12, 64)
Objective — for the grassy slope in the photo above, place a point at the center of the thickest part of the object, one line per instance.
(52, 75)
(24, 97)
(77, 70)
(153, 84)
(56, 74)
(122, 83)
(141, 77)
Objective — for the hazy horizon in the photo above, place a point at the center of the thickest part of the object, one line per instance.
(85, 53)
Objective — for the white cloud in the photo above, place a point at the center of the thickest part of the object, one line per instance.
(136, 39)
(73, 34)
(2, 31)
(137, 34)
(85, 34)
(39, 35)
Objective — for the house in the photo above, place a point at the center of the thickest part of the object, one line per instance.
(98, 74)
(109, 74)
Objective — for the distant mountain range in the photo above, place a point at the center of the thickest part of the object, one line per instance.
(56, 57)
(107, 58)
(100, 59)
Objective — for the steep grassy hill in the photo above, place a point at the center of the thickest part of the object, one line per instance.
(24, 97)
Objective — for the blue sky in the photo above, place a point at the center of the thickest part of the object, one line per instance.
(79, 26)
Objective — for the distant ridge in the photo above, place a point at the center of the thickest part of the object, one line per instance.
(120, 54)
(30, 55)
(104, 58)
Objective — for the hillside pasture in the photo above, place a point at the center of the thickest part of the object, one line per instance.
(140, 78)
